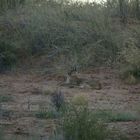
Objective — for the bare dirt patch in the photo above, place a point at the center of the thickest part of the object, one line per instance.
(28, 96)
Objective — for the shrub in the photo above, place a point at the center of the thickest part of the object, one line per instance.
(83, 34)
(7, 56)
(129, 70)
(81, 124)
(130, 55)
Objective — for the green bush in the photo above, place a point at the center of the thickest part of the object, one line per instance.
(80, 124)
(80, 33)
(69, 34)
(7, 56)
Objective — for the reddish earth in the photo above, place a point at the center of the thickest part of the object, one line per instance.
(27, 97)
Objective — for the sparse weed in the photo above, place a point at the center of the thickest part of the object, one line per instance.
(6, 114)
(58, 100)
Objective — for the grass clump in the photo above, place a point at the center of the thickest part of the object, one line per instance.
(47, 114)
(124, 117)
(80, 100)
(116, 117)
(5, 98)
(130, 75)
(6, 114)
(41, 114)
(48, 92)
(131, 80)
(57, 106)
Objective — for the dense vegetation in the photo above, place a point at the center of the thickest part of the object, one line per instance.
(81, 35)
(61, 36)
